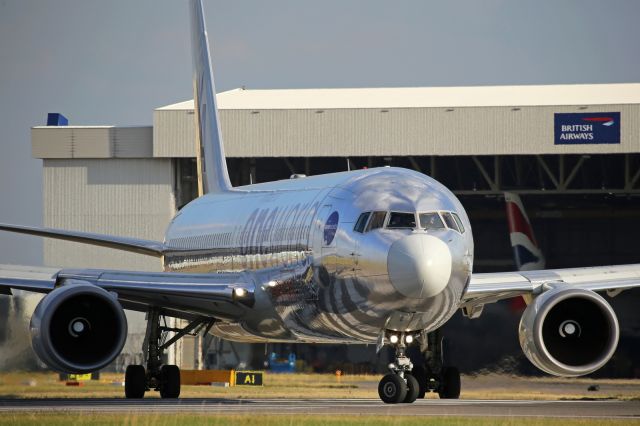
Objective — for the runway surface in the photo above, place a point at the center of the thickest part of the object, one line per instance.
(485, 408)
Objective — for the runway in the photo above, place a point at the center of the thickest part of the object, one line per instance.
(484, 408)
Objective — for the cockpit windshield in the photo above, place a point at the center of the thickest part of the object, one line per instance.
(376, 221)
(401, 220)
(451, 223)
(459, 222)
(431, 221)
(368, 221)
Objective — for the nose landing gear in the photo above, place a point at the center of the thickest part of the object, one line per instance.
(406, 382)
(399, 386)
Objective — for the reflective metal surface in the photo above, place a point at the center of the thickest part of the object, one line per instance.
(326, 282)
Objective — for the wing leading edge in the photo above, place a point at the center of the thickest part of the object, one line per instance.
(140, 246)
(491, 287)
(225, 296)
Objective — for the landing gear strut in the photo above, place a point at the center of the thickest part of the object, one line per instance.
(159, 377)
(406, 382)
(434, 375)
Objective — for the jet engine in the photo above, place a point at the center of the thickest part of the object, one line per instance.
(569, 331)
(78, 328)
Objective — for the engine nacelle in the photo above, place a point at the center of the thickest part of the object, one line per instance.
(78, 328)
(569, 332)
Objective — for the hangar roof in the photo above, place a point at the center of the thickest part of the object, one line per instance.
(425, 97)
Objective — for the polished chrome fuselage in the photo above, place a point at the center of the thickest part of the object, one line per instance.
(318, 280)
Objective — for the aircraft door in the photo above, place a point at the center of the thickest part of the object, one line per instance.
(325, 241)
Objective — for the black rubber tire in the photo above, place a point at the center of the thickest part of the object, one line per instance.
(392, 389)
(420, 373)
(169, 381)
(449, 383)
(135, 382)
(412, 389)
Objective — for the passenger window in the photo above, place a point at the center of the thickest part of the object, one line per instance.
(448, 219)
(402, 220)
(431, 221)
(377, 221)
(459, 222)
(362, 221)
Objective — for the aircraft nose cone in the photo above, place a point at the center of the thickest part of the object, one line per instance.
(419, 265)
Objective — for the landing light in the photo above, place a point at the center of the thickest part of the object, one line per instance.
(239, 292)
(393, 339)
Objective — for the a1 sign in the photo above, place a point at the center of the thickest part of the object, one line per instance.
(249, 378)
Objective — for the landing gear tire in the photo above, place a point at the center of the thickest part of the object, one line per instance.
(135, 382)
(392, 389)
(413, 389)
(449, 383)
(169, 381)
(420, 373)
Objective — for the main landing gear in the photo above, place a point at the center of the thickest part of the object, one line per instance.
(406, 382)
(159, 377)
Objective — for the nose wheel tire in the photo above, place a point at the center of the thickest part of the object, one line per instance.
(169, 381)
(449, 383)
(135, 382)
(413, 389)
(392, 389)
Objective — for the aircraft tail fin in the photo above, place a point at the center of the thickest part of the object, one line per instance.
(212, 166)
(526, 251)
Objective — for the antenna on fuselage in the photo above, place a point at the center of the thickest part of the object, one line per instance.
(211, 163)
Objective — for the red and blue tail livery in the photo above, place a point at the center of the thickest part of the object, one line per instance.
(526, 251)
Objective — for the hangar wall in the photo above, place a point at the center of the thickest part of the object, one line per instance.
(389, 132)
(441, 121)
(128, 197)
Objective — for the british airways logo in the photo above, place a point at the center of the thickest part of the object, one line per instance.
(605, 121)
(587, 128)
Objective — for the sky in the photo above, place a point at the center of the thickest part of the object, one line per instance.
(113, 62)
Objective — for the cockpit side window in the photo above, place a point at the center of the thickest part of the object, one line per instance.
(362, 222)
(377, 221)
(451, 223)
(459, 222)
(401, 220)
(431, 221)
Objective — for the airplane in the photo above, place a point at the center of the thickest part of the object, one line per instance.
(378, 256)
(526, 250)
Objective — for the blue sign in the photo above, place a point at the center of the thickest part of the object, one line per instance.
(330, 228)
(587, 128)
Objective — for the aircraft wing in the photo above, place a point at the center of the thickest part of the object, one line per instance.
(491, 287)
(225, 296)
(146, 247)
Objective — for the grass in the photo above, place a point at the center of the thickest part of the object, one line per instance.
(165, 419)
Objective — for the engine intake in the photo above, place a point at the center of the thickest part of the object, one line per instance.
(569, 332)
(78, 328)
